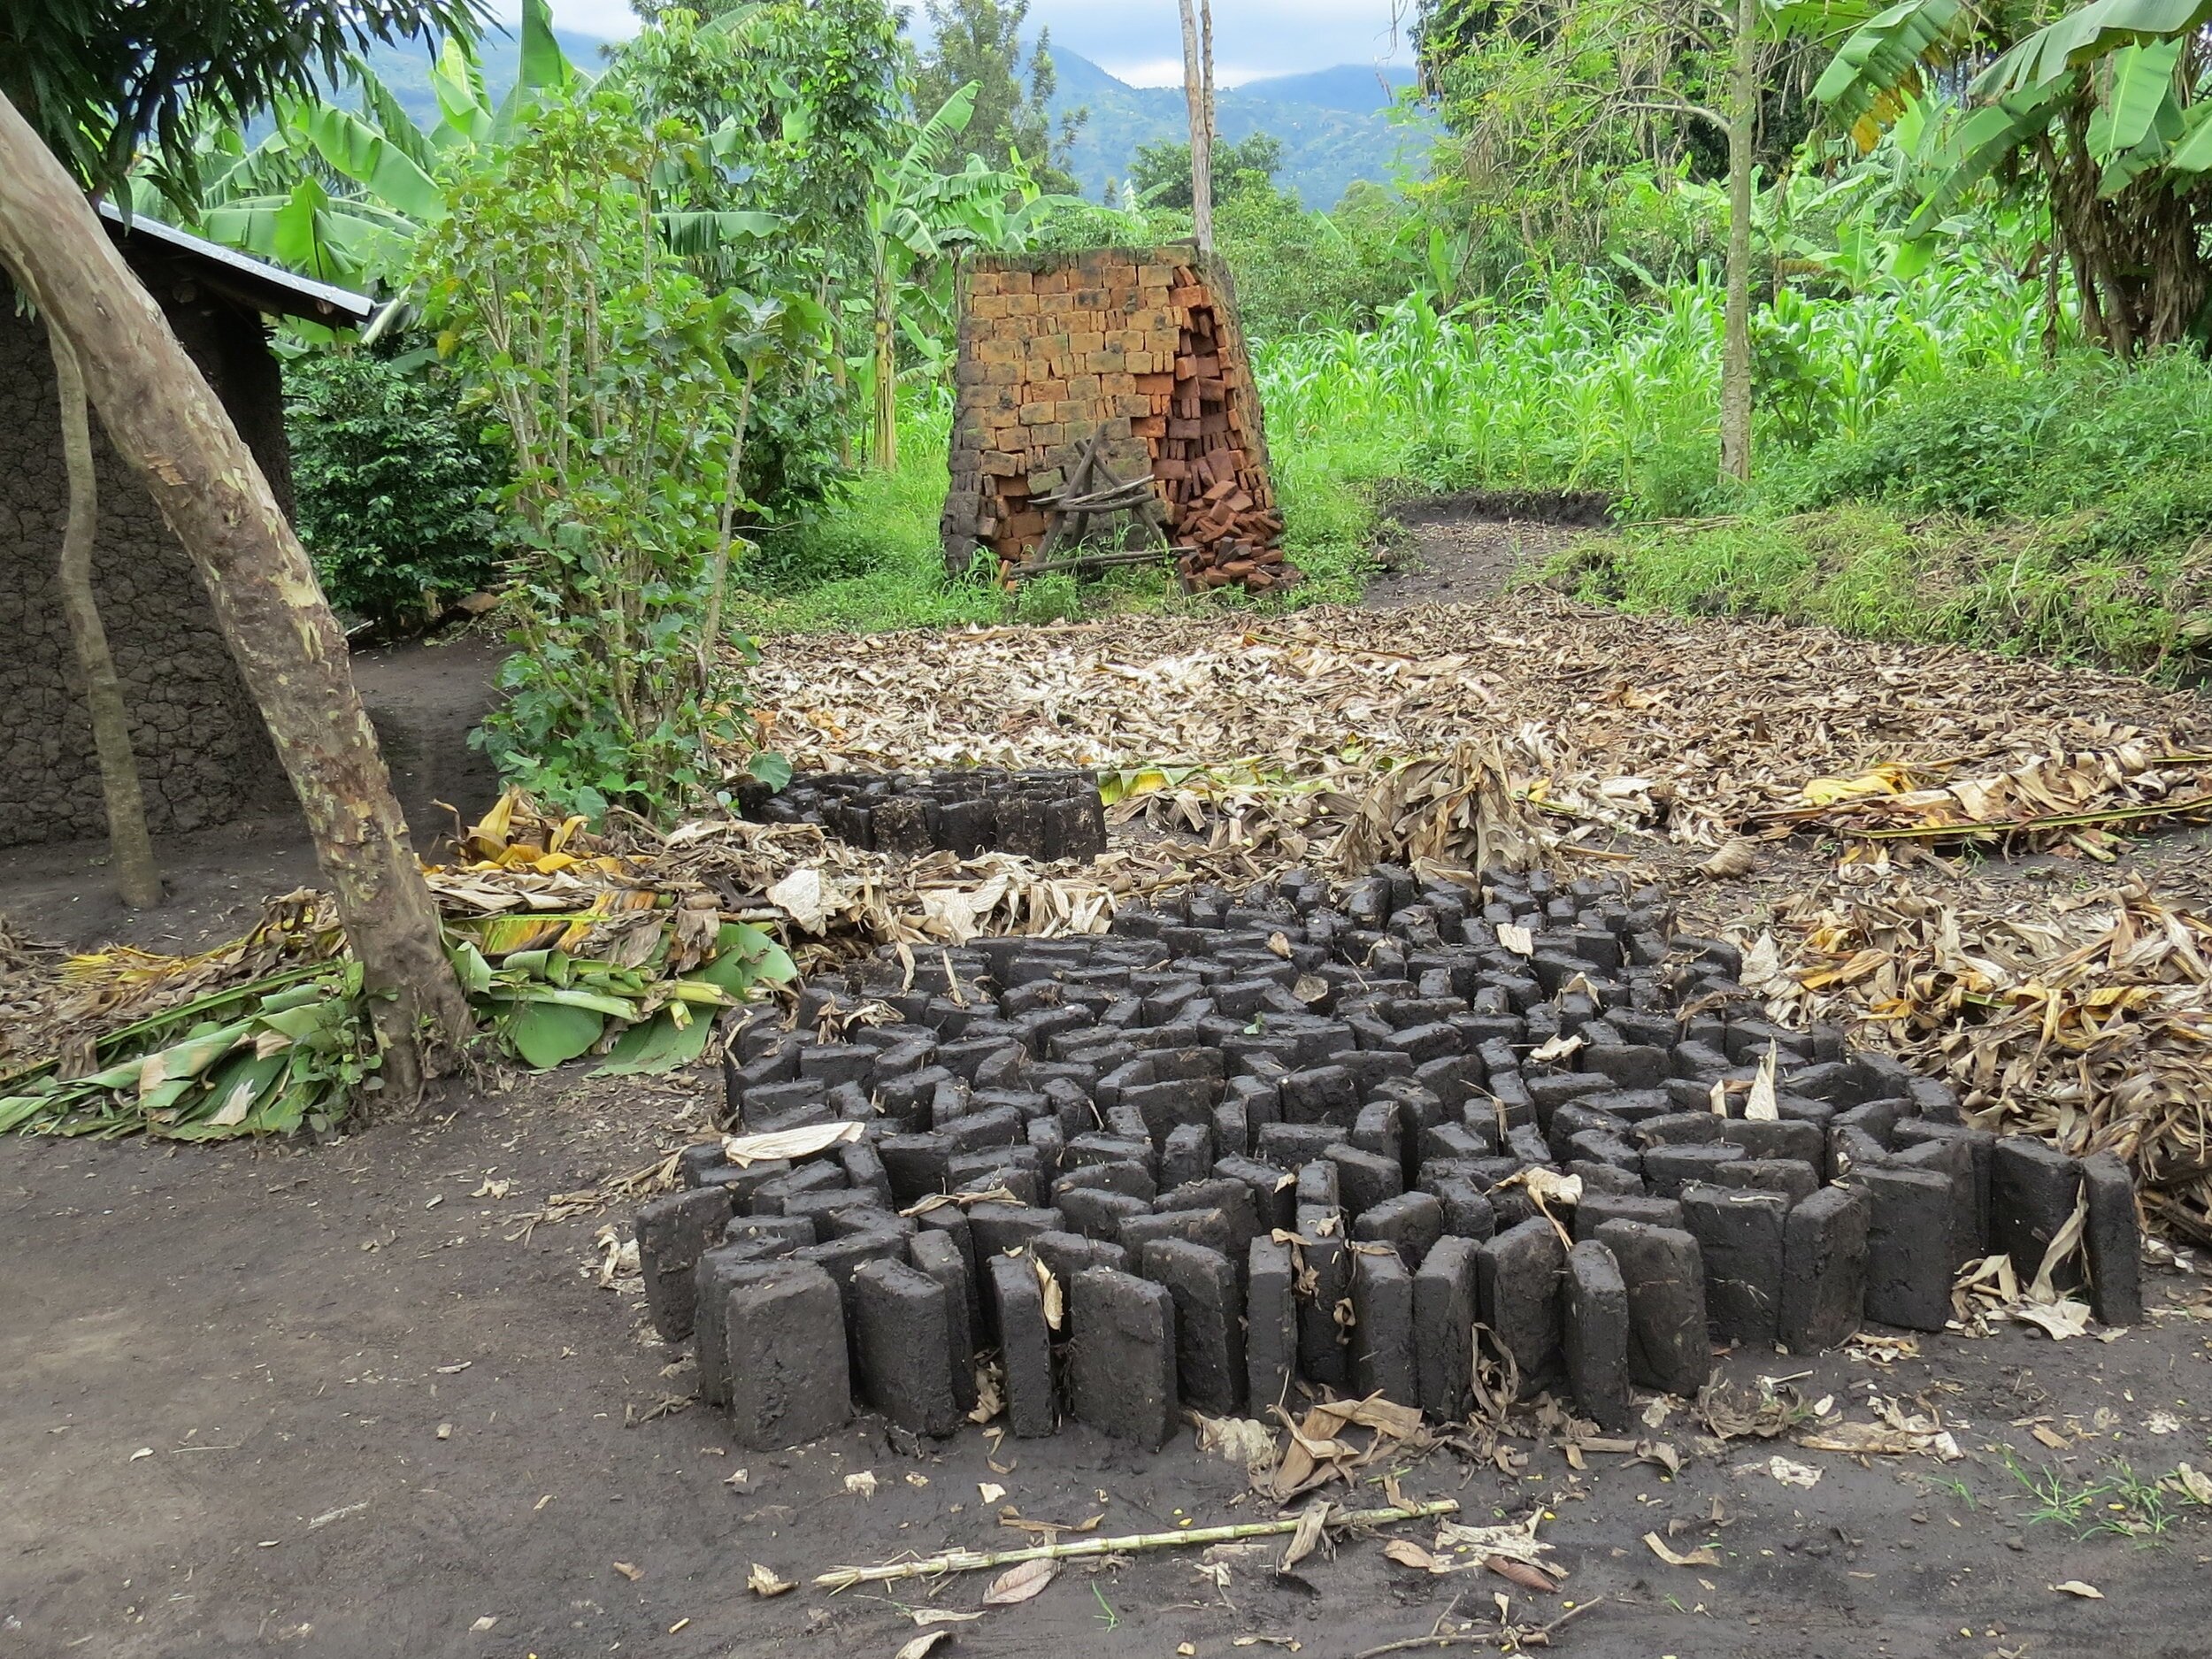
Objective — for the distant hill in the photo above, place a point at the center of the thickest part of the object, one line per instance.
(1334, 124)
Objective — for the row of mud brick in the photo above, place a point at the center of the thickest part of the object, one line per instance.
(1047, 815)
(1245, 1147)
(1140, 349)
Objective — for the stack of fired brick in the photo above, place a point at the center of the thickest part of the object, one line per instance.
(1276, 1140)
(1041, 815)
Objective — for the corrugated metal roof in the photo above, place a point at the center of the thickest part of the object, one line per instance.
(265, 286)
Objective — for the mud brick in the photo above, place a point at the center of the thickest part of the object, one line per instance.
(1270, 1353)
(1068, 1254)
(1210, 1227)
(1882, 1076)
(1824, 1270)
(1409, 1224)
(2033, 1188)
(1628, 1065)
(1122, 1175)
(1597, 1209)
(1876, 1119)
(1981, 1145)
(997, 1126)
(1013, 1168)
(2115, 1241)
(1098, 1146)
(1605, 1177)
(1547, 1092)
(999, 1228)
(1364, 1178)
(1667, 1169)
(1321, 1093)
(673, 1234)
(775, 1235)
(1739, 1234)
(1233, 1198)
(1447, 1302)
(906, 1333)
(1166, 1106)
(1099, 1212)
(1699, 1062)
(823, 1176)
(1185, 1155)
(864, 1172)
(1596, 1336)
(778, 1106)
(1468, 1212)
(830, 1064)
(699, 1163)
(1517, 1275)
(819, 1210)
(1208, 1321)
(1383, 1352)
(1570, 1119)
(1525, 1142)
(1954, 1160)
(1321, 1356)
(939, 1254)
(1795, 1179)
(785, 1370)
(1458, 1140)
(1774, 1139)
(1907, 1246)
(1274, 1192)
(842, 1257)
(1934, 1101)
(1668, 1346)
(1851, 1148)
(907, 1098)
(1701, 1127)
(1379, 1128)
(1024, 1344)
(914, 1165)
(1122, 1365)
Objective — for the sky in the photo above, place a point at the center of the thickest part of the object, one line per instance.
(1142, 41)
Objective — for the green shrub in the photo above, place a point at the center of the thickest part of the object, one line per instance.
(392, 486)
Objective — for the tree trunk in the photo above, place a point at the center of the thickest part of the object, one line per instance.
(1198, 98)
(1735, 373)
(130, 847)
(163, 417)
(886, 304)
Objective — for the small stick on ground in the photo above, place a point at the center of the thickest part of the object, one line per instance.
(975, 1561)
(1539, 1637)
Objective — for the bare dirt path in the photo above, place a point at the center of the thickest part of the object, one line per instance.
(1458, 550)
(327, 1403)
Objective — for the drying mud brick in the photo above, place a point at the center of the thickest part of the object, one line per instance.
(1739, 1235)
(1321, 1356)
(2033, 1191)
(1383, 1359)
(938, 1254)
(1024, 1346)
(1271, 1342)
(1446, 1304)
(1824, 1270)
(788, 1377)
(1907, 1246)
(673, 1234)
(1668, 1346)
(2115, 1242)
(1409, 1224)
(1209, 1322)
(1516, 1276)
(1122, 1360)
(906, 1347)
(1596, 1337)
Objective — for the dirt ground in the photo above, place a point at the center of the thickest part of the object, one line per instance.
(1455, 548)
(347, 1400)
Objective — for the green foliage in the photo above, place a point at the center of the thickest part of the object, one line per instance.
(394, 487)
(1160, 174)
(611, 373)
(1296, 270)
(978, 43)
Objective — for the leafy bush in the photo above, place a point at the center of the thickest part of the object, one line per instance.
(393, 486)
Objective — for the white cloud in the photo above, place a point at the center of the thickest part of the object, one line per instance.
(1142, 41)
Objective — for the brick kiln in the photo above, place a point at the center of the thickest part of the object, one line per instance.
(1138, 349)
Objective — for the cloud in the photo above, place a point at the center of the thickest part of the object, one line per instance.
(1142, 41)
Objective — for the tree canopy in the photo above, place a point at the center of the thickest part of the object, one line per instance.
(980, 41)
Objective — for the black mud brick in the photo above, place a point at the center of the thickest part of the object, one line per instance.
(1321, 1356)
(914, 1165)
(1364, 1179)
(1232, 1199)
(1851, 1148)
(786, 1373)
(1668, 1346)
(1793, 1178)
(1270, 1313)
(1629, 1064)
(825, 1175)
(1669, 1169)
(1409, 1224)
(792, 1105)
(987, 1126)
(1122, 1175)
(1379, 1128)
(1209, 1322)
(1882, 1076)
(1456, 1140)
(1517, 1278)
(776, 1235)
(1293, 1145)
(2033, 1188)
(673, 1234)
(1319, 1095)
(1678, 1129)
(842, 1257)
(1468, 1212)
(1596, 1336)
(1824, 1270)
(1774, 1138)
(2116, 1268)
(1594, 1145)
(1317, 1184)
(1878, 1118)
(1597, 1209)
(1739, 1234)
(1185, 1155)
(864, 1172)
(696, 1160)
(1934, 1101)
(1981, 1145)
(906, 1333)
(1210, 1227)
(938, 1254)
(1954, 1160)
(819, 1209)
(1067, 1254)
(1274, 1192)
(999, 1228)
(1383, 1356)
(1447, 1302)
(1099, 1212)
(1122, 1367)
(1907, 1246)
(740, 1181)
(1025, 1345)
(1608, 1177)
(1527, 1142)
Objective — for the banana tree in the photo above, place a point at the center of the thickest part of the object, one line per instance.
(2102, 111)
(917, 216)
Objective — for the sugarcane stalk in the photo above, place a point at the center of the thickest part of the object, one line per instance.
(975, 1560)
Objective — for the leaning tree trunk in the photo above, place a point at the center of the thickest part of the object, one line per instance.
(1735, 372)
(1198, 98)
(163, 417)
(887, 359)
(130, 847)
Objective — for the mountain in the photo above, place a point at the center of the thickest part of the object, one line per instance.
(406, 69)
(1334, 124)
